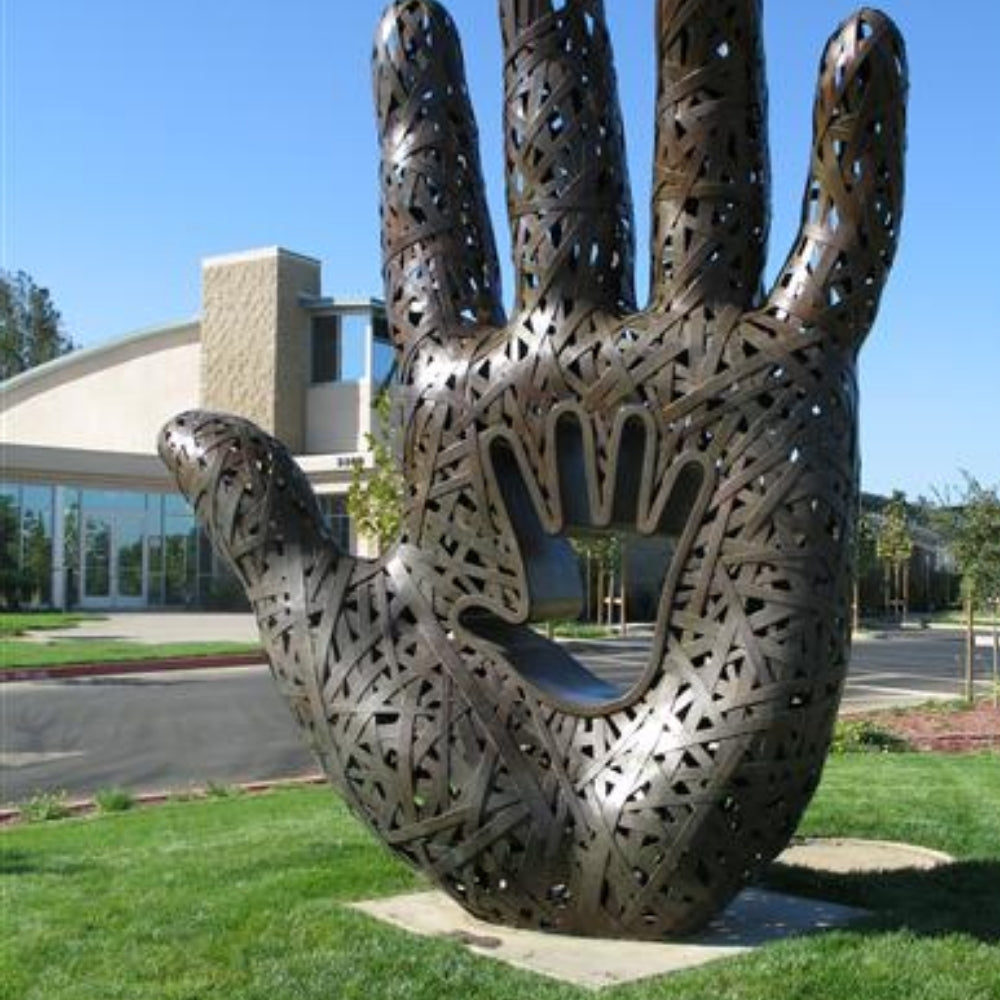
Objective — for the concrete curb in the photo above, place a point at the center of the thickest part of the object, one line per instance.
(115, 667)
(84, 807)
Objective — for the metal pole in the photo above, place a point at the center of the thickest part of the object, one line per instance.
(624, 587)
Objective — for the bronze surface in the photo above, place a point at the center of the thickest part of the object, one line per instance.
(721, 416)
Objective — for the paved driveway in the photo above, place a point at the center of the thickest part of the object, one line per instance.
(159, 731)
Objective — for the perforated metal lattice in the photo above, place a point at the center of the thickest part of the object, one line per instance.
(722, 417)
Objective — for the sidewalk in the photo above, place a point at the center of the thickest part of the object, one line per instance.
(151, 628)
(160, 626)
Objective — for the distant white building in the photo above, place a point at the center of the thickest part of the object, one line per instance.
(88, 515)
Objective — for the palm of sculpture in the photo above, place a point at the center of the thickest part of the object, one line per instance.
(531, 791)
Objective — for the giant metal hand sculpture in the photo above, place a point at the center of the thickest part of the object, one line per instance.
(531, 791)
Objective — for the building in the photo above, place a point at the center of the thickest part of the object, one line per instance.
(88, 515)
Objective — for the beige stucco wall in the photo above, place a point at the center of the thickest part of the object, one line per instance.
(113, 398)
(255, 338)
(338, 415)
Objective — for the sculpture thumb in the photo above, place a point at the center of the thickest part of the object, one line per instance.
(261, 514)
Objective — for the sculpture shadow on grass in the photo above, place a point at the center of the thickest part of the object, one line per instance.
(14, 862)
(958, 898)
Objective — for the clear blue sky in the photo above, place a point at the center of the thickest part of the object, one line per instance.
(139, 137)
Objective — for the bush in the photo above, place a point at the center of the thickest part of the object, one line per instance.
(865, 736)
(226, 594)
(45, 806)
(111, 800)
(220, 790)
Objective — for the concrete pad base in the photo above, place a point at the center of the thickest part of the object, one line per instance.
(754, 918)
(843, 855)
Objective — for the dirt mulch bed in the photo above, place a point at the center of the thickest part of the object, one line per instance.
(946, 729)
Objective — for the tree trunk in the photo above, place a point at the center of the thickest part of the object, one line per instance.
(970, 646)
(996, 653)
(856, 607)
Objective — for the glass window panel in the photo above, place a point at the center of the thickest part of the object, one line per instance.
(10, 525)
(205, 554)
(154, 549)
(127, 500)
(354, 346)
(71, 546)
(325, 348)
(129, 552)
(10, 546)
(383, 361)
(36, 549)
(223, 590)
(179, 556)
(175, 504)
(37, 498)
(96, 556)
(154, 513)
(334, 508)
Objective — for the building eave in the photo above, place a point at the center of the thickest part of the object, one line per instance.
(88, 359)
(77, 467)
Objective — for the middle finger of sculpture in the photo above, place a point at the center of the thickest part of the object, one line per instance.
(534, 793)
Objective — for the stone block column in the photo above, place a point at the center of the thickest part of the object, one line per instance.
(255, 338)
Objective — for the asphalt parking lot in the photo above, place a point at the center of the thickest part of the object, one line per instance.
(157, 731)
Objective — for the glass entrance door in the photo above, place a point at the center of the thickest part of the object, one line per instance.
(130, 560)
(96, 562)
(113, 560)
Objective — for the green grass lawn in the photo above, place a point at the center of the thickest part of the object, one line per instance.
(579, 630)
(20, 654)
(19, 622)
(242, 899)
(984, 618)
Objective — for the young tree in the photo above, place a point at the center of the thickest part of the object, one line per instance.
(31, 330)
(893, 548)
(865, 560)
(972, 526)
(602, 553)
(375, 496)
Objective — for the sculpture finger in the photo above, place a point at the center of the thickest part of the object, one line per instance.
(853, 202)
(439, 258)
(710, 182)
(567, 184)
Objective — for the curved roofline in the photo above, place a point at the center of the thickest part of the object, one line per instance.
(89, 359)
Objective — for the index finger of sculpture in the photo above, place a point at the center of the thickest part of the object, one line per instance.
(439, 257)
(567, 184)
(834, 275)
(710, 184)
